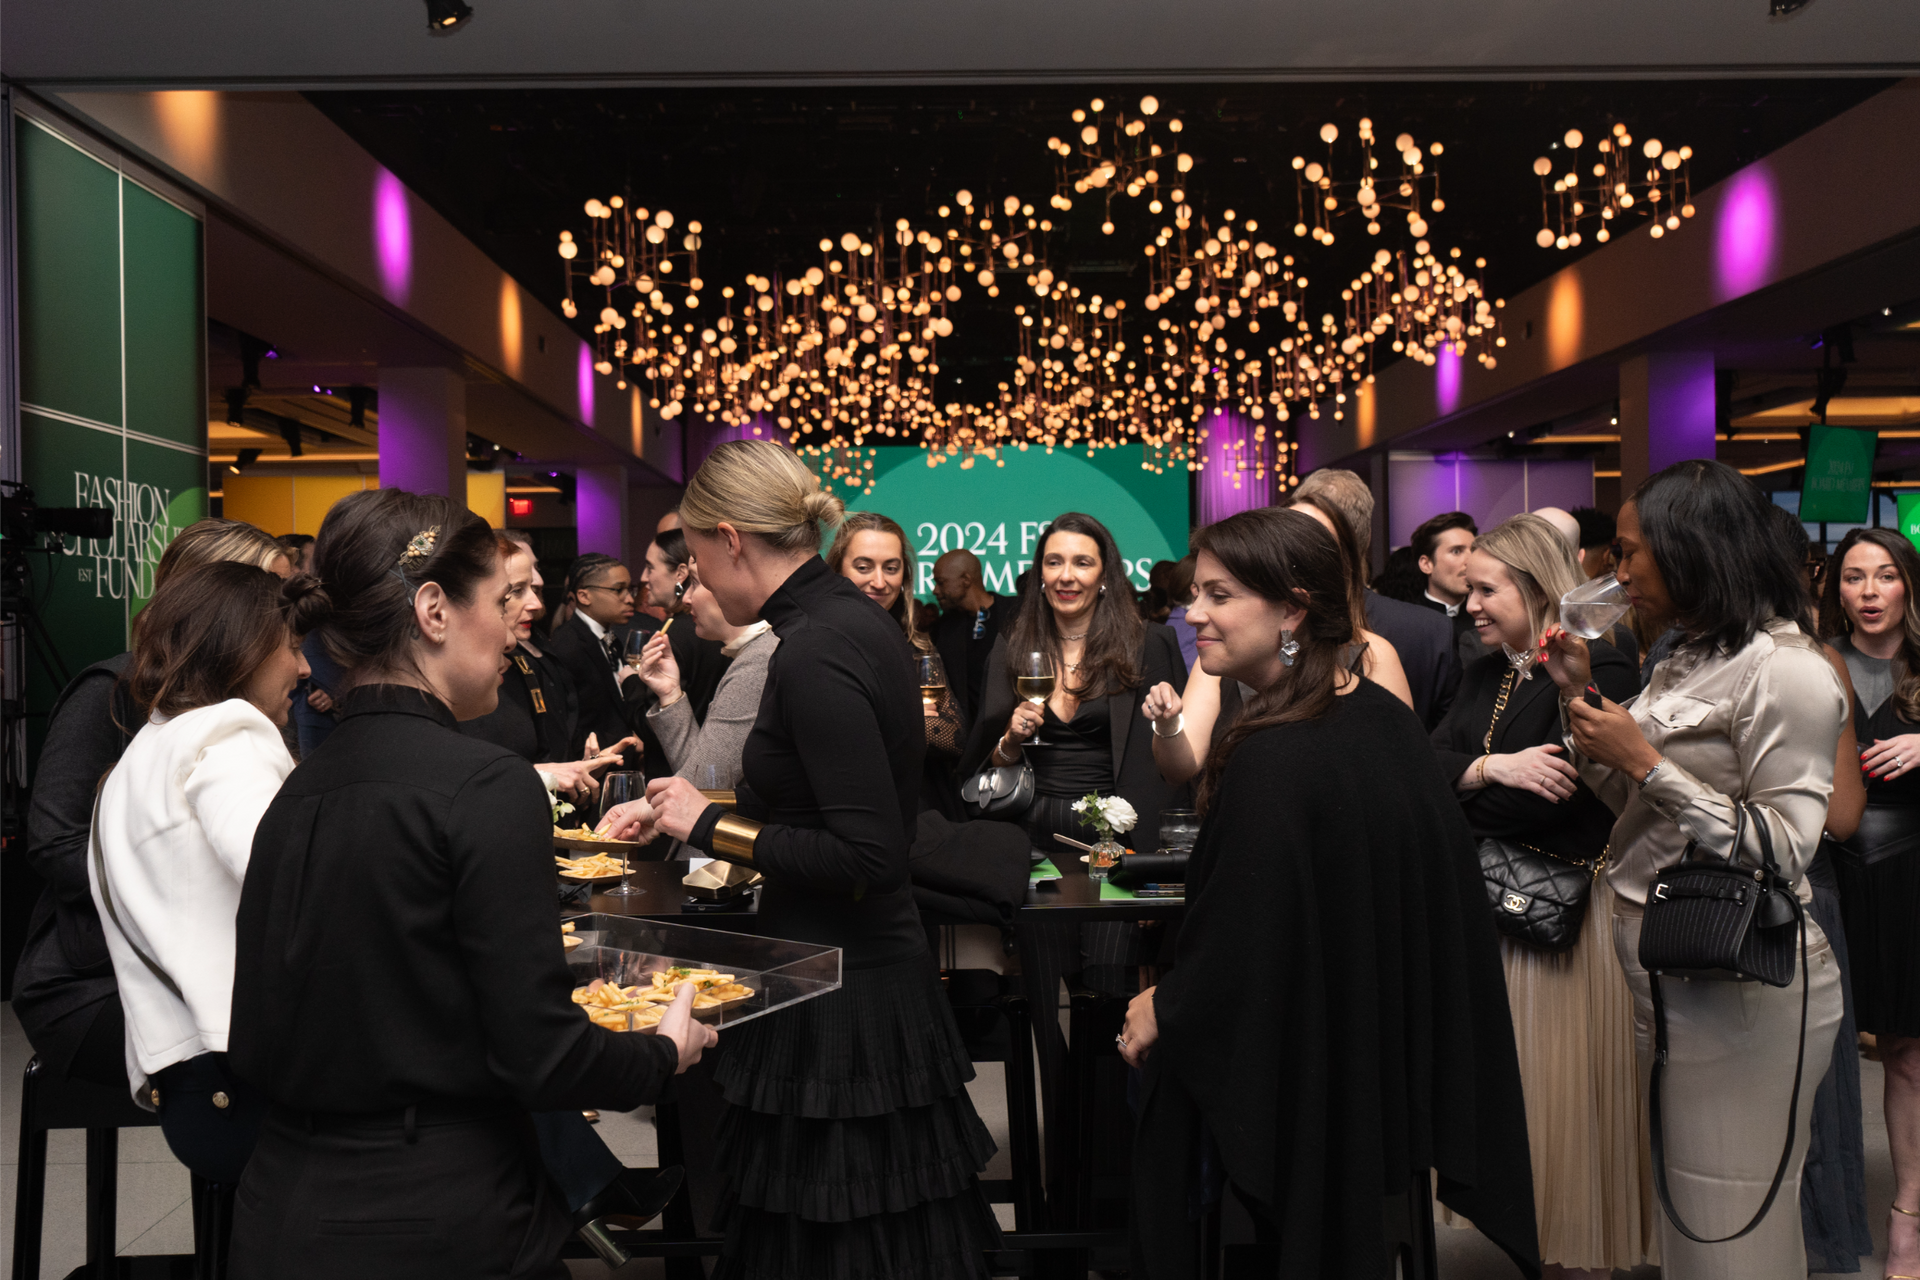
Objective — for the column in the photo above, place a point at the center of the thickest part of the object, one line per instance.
(1667, 412)
(600, 504)
(423, 431)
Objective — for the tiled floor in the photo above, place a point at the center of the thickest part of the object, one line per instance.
(155, 1216)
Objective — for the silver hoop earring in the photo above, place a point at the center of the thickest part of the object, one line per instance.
(1289, 648)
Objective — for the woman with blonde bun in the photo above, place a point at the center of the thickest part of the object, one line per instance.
(848, 1143)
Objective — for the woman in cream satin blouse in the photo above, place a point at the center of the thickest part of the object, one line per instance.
(1747, 709)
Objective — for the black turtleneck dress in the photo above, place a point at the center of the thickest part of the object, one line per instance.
(849, 1145)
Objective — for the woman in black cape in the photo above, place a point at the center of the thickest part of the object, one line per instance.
(1336, 1020)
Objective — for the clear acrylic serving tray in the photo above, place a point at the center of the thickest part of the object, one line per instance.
(627, 950)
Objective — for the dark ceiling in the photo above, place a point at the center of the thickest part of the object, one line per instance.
(769, 172)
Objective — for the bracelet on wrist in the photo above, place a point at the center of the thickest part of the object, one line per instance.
(1658, 765)
(1483, 770)
(1179, 723)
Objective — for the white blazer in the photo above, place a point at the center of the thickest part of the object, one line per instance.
(176, 822)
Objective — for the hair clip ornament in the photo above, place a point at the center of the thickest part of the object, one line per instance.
(420, 547)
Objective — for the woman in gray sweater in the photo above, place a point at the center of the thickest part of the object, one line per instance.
(708, 755)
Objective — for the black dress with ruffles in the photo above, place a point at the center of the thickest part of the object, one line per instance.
(1879, 875)
(849, 1147)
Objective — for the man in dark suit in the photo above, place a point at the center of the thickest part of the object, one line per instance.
(590, 648)
(1423, 639)
(1441, 546)
(970, 619)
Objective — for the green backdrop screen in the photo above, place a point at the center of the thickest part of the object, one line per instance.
(998, 511)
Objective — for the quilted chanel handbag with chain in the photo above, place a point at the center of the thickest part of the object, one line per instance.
(1537, 897)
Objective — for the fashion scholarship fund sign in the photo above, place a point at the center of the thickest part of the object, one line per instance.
(998, 511)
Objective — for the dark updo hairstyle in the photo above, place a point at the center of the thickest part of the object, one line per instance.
(208, 629)
(1287, 557)
(1726, 568)
(673, 545)
(374, 552)
(1834, 621)
(1110, 662)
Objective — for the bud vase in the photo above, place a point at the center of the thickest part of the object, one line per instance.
(1101, 860)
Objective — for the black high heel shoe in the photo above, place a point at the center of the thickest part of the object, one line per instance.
(637, 1195)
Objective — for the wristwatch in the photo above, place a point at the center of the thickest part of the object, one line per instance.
(1658, 765)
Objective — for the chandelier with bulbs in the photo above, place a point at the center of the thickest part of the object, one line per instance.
(1648, 180)
(844, 355)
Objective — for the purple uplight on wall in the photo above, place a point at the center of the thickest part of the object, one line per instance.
(1744, 235)
(583, 383)
(393, 237)
(1446, 381)
(1223, 489)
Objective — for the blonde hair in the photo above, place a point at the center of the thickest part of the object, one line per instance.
(217, 541)
(874, 522)
(759, 488)
(1539, 562)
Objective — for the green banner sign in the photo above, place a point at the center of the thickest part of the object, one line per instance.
(997, 507)
(1839, 475)
(1907, 506)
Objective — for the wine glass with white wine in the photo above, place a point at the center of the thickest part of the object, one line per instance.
(1033, 680)
(932, 674)
(1591, 609)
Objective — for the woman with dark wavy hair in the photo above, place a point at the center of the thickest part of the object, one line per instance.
(1871, 614)
(1336, 1018)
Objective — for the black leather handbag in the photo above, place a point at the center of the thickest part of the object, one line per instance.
(1715, 919)
(999, 791)
(1537, 898)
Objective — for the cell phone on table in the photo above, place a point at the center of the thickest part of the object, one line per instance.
(1592, 696)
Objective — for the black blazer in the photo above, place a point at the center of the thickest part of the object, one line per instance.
(604, 709)
(1424, 640)
(1135, 776)
(1577, 827)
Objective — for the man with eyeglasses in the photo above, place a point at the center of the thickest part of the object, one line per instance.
(591, 646)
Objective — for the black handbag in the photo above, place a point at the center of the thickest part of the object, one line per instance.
(1537, 897)
(999, 791)
(1715, 919)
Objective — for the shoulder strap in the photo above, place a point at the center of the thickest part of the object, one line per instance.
(1656, 1134)
(106, 892)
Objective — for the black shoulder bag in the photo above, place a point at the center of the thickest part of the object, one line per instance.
(1712, 918)
(1537, 897)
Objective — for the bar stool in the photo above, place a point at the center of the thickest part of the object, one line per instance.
(47, 1103)
(992, 1017)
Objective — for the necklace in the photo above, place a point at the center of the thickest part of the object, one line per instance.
(1081, 636)
(1499, 706)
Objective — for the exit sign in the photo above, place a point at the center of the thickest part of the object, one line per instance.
(519, 506)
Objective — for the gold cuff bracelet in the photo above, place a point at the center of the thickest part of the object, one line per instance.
(733, 838)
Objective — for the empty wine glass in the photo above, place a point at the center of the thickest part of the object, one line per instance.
(618, 789)
(1033, 680)
(1591, 609)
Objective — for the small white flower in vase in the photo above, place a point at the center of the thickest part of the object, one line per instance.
(1107, 816)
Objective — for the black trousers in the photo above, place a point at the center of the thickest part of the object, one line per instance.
(452, 1191)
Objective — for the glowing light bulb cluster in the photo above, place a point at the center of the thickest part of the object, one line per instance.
(1647, 179)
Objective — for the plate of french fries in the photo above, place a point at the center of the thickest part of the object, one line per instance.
(591, 867)
(583, 839)
(609, 1004)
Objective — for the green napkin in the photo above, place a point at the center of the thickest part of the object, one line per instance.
(1043, 870)
(1111, 892)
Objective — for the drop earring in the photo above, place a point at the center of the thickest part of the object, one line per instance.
(1289, 647)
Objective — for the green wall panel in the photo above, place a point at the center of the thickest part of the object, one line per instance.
(165, 358)
(89, 238)
(69, 262)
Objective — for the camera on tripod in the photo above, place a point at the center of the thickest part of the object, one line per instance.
(27, 520)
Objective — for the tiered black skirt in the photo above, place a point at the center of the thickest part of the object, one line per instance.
(849, 1147)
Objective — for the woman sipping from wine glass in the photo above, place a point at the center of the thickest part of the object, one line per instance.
(1745, 713)
(872, 552)
(1572, 1013)
(1336, 1018)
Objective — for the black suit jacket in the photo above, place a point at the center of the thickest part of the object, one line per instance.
(1135, 775)
(605, 710)
(1424, 640)
(961, 653)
